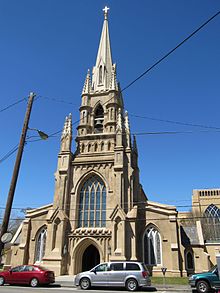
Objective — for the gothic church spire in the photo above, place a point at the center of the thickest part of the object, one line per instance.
(66, 138)
(102, 71)
(87, 84)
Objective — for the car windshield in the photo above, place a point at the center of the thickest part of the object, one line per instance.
(213, 269)
(101, 268)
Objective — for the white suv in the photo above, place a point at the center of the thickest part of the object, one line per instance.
(128, 274)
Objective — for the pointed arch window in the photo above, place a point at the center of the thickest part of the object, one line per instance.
(152, 247)
(99, 119)
(92, 203)
(189, 260)
(102, 146)
(213, 211)
(100, 74)
(40, 244)
(211, 224)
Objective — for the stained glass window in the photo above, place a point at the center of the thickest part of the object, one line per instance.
(211, 224)
(213, 211)
(40, 245)
(92, 203)
(152, 247)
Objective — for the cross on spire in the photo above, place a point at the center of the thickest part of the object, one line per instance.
(105, 9)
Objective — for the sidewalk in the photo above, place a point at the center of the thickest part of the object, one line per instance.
(68, 281)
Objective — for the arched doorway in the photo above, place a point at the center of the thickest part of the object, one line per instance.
(90, 258)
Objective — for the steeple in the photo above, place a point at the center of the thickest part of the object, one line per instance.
(66, 138)
(127, 130)
(102, 71)
(87, 84)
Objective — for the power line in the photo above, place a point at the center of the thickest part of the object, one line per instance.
(9, 153)
(146, 204)
(123, 220)
(11, 105)
(174, 132)
(171, 51)
(174, 122)
(142, 117)
(149, 69)
(136, 79)
(215, 130)
(58, 100)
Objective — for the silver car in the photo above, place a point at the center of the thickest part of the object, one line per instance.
(130, 275)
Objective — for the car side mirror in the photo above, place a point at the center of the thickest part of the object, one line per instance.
(94, 271)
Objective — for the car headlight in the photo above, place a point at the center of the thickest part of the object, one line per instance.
(192, 278)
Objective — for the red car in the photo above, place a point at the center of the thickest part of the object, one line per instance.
(27, 274)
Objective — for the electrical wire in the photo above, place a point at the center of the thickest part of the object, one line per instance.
(215, 130)
(145, 72)
(171, 51)
(58, 100)
(136, 79)
(174, 122)
(123, 220)
(145, 203)
(11, 152)
(13, 104)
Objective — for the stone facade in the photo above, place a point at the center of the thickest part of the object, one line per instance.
(100, 211)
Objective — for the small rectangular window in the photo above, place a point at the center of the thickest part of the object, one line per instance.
(116, 267)
(132, 267)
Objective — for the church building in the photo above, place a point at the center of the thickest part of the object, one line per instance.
(100, 211)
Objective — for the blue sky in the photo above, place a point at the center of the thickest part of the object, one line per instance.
(47, 47)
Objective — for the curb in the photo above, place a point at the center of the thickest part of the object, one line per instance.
(158, 288)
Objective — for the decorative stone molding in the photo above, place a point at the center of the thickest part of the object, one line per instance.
(94, 232)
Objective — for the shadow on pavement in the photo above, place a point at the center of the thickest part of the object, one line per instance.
(39, 286)
(143, 289)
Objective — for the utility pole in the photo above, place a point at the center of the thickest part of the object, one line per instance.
(11, 192)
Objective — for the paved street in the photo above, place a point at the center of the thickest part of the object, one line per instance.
(56, 289)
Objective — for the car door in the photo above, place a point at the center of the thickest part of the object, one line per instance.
(27, 274)
(15, 276)
(116, 274)
(99, 275)
(215, 278)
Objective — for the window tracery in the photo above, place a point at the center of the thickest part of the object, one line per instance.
(40, 245)
(211, 224)
(152, 247)
(92, 203)
(212, 211)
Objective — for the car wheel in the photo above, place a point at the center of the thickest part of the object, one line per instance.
(2, 281)
(203, 287)
(131, 285)
(85, 283)
(34, 282)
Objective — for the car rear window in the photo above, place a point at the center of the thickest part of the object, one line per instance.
(29, 269)
(42, 268)
(132, 267)
(116, 267)
(145, 267)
